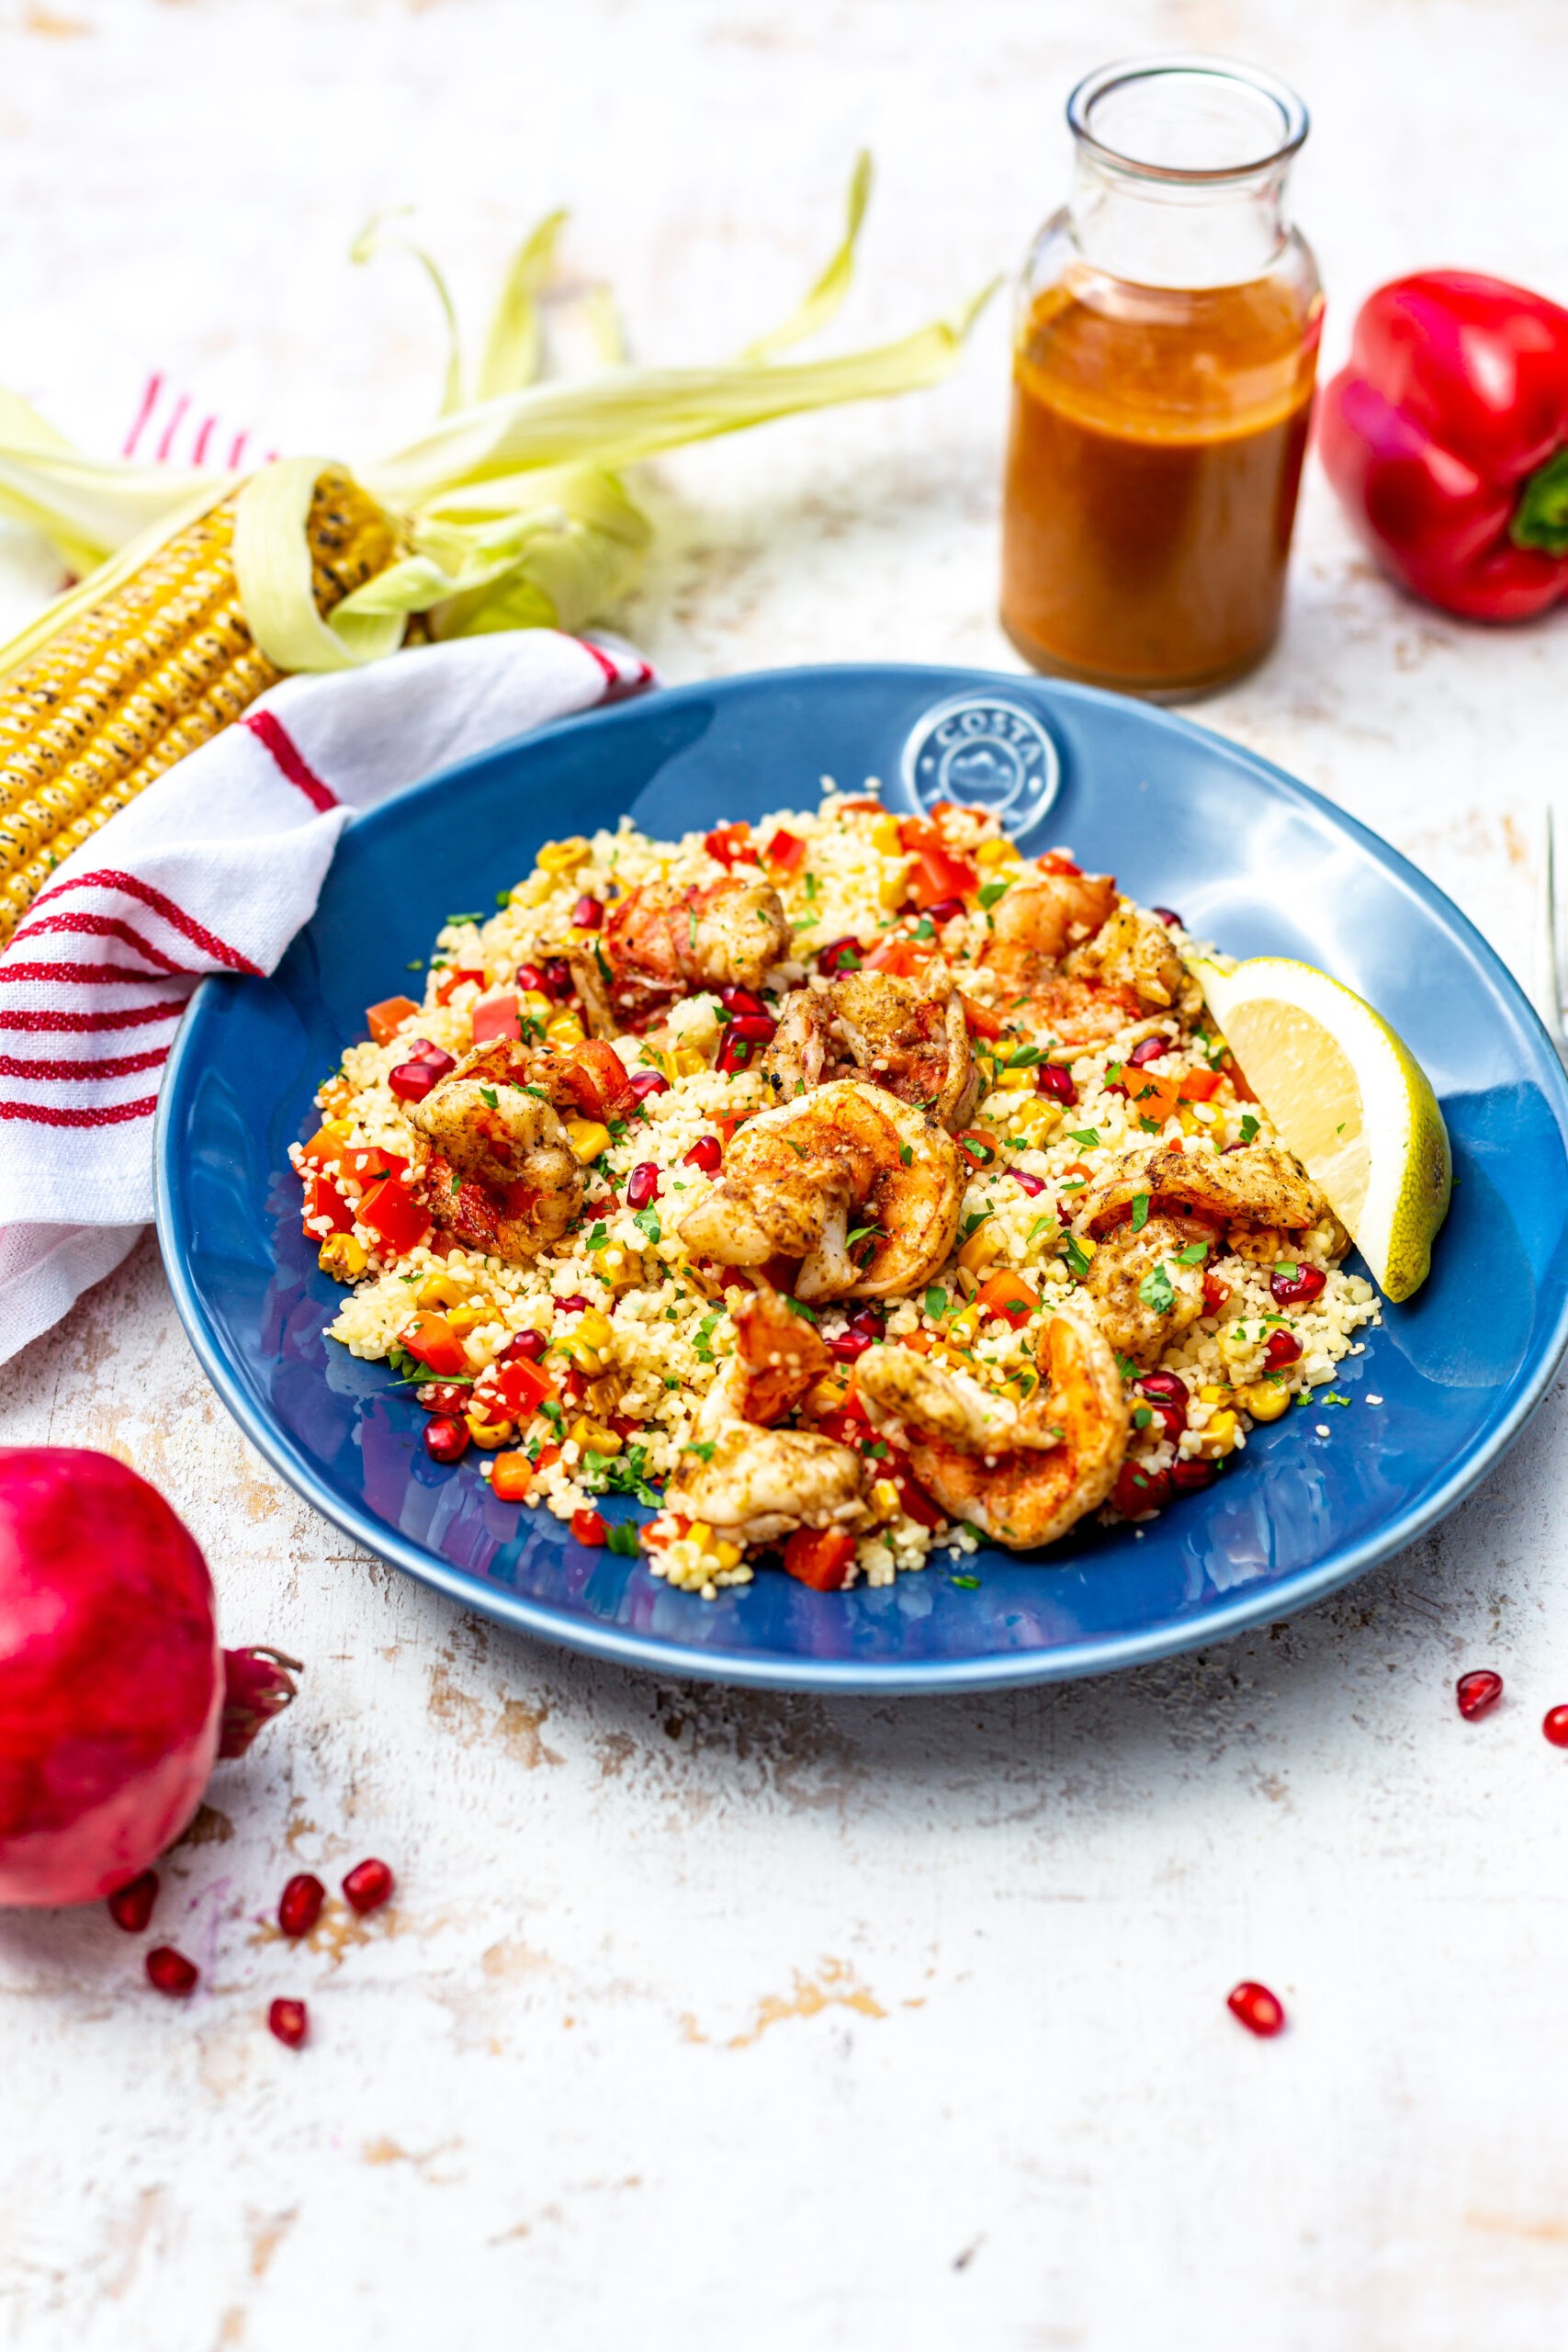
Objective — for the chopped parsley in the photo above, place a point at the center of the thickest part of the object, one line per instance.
(798, 1306)
(1155, 1291)
(703, 1451)
(992, 892)
(1287, 1272)
(702, 1342)
(974, 1221)
(936, 1302)
(1087, 1136)
(1039, 1226)
(1194, 1254)
(624, 1540)
(488, 1094)
(1072, 1250)
(967, 1584)
(504, 897)
(1142, 1417)
(1023, 1058)
(415, 964)
(1249, 1127)
(598, 1237)
(1140, 1211)
(905, 1153)
(647, 1221)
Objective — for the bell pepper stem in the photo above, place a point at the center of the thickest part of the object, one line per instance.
(1541, 518)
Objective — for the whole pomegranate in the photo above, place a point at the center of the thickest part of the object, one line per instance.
(112, 1683)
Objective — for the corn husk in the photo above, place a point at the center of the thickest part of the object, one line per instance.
(510, 510)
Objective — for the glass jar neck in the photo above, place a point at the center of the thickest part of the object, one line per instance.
(1165, 232)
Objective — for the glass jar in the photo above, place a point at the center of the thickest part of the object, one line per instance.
(1164, 350)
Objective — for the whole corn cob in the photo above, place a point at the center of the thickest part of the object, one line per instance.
(141, 679)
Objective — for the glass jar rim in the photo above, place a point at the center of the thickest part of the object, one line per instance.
(1295, 120)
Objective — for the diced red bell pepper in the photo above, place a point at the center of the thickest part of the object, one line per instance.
(784, 853)
(588, 1528)
(447, 987)
(385, 1020)
(391, 1212)
(900, 956)
(820, 1556)
(1054, 862)
(936, 874)
(1215, 1294)
(1201, 1085)
(913, 1499)
(498, 1016)
(323, 1199)
(431, 1340)
(982, 1022)
(730, 843)
(520, 1388)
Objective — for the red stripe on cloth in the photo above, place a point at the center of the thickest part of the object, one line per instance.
(57, 1114)
(85, 975)
(110, 877)
(199, 455)
(612, 675)
(39, 1022)
(106, 927)
(173, 426)
(112, 1066)
(239, 443)
(616, 686)
(150, 392)
(274, 737)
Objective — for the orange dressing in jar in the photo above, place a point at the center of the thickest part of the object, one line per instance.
(1159, 422)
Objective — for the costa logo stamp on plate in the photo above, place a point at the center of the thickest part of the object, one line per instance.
(988, 750)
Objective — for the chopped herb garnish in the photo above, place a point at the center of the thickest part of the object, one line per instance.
(1073, 1252)
(455, 922)
(967, 1584)
(702, 1342)
(1039, 1226)
(1155, 1291)
(646, 1220)
(991, 892)
(1286, 1270)
(1089, 1136)
(623, 1539)
(415, 964)
(1024, 1057)
(924, 929)
(1249, 1127)
(905, 1153)
(598, 1237)
(936, 1302)
(504, 897)
(1140, 1211)
(974, 1221)
(863, 1233)
(1194, 1254)
(1150, 1127)
(488, 1094)
(703, 1451)
(798, 1306)
(1142, 1417)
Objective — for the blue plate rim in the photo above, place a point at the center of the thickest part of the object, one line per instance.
(1073, 1662)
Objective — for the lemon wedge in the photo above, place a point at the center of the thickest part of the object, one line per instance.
(1351, 1101)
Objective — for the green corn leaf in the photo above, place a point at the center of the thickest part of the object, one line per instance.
(826, 296)
(513, 346)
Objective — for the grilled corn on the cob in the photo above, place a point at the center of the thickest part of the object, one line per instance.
(162, 663)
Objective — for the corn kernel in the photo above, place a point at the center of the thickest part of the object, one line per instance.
(689, 1061)
(1000, 852)
(440, 1290)
(563, 857)
(700, 1534)
(827, 1395)
(726, 1555)
(1015, 1081)
(893, 889)
(1219, 1438)
(329, 1138)
(885, 1499)
(1266, 1400)
(1213, 1395)
(962, 1329)
(463, 1320)
(979, 1251)
(884, 833)
(587, 1138)
(1037, 1118)
(594, 1435)
(535, 1005)
(342, 1257)
(564, 1030)
(490, 1435)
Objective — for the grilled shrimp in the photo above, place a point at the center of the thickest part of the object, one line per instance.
(1132, 951)
(493, 1162)
(663, 939)
(1023, 1474)
(860, 1188)
(746, 1480)
(910, 1038)
(1244, 1201)
(1043, 919)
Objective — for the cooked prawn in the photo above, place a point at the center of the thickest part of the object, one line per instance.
(1023, 1474)
(863, 1190)
(663, 939)
(1040, 920)
(746, 1480)
(906, 1036)
(1132, 951)
(493, 1162)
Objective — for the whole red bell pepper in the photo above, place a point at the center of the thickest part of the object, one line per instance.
(1447, 440)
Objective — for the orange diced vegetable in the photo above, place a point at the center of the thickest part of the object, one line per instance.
(936, 875)
(728, 843)
(784, 852)
(1054, 862)
(1008, 1295)
(982, 1022)
(820, 1556)
(588, 1528)
(901, 957)
(384, 1020)
(511, 1477)
(520, 1387)
(1199, 1085)
(432, 1341)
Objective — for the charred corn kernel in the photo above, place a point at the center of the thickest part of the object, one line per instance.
(1266, 1400)
(535, 1005)
(1037, 1118)
(490, 1435)
(566, 1029)
(884, 831)
(463, 1320)
(962, 1329)
(979, 1251)
(335, 1096)
(726, 1555)
(892, 888)
(342, 1257)
(1015, 1081)
(587, 1138)
(440, 1290)
(1218, 1438)
(700, 1535)
(563, 857)
(1014, 1391)
(998, 852)
(594, 1435)
(591, 1346)
(1210, 1394)
(885, 1499)
(689, 1061)
(162, 663)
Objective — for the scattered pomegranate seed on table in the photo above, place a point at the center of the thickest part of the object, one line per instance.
(300, 1905)
(1260, 2011)
(1478, 1692)
(290, 2022)
(367, 1885)
(1555, 1726)
(170, 1972)
(130, 1906)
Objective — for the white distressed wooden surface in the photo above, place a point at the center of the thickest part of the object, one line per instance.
(700, 2018)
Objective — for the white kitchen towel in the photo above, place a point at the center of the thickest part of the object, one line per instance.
(213, 869)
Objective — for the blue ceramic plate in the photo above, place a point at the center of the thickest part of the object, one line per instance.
(1250, 858)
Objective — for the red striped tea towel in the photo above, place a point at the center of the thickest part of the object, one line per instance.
(213, 869)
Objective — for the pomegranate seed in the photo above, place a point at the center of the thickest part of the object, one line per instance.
(130, 1906)
(740, 1000)
(1167, 1386)
(1168, 915)
(588, 913)
(1032, 1185)
(555, 972)
(752, 1029)
(575, 1304)
(1137, 1490)
(1260, 2011)
(300, 1905)
(1234, 1147)
(850, 1344)
(291, 2022)
(943, 912)
(588, 1528)
(411, 1082)
(870, 1318)
(170, 1972)
(1554, 1723)
(1297, 1289)
(528, 1347)
(1191, 1478)
(445, 1438)
(441, 1061)
(1282, 1347)
(1052, 1079)
(367, 1885)
(839, 955)
(707, 1154)
(642, 1185)
(649, 1081)
(1479, 1693)
(1148, 1049)
(443, 1397)
(530, 976)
